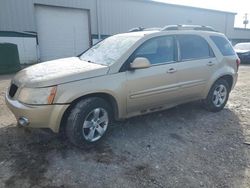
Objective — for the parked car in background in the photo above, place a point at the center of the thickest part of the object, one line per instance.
(243, 51)
(125, 75)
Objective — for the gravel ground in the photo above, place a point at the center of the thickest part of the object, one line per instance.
(182, 147)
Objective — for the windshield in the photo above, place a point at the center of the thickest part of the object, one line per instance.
(242, 46)
(109, 50)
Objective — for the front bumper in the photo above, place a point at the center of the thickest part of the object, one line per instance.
(39, 116)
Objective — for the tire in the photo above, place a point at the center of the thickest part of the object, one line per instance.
(88, 121)
(218, 94)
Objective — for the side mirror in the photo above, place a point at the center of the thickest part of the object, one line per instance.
(140, 63)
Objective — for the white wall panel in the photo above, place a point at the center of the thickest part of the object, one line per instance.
(27, 48)
(62, 32)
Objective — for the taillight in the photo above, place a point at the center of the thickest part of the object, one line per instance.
(238, 63)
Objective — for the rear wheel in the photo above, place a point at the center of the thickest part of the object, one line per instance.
(88, 121)
(217, 96)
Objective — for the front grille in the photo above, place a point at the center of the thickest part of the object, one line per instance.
(13, 90)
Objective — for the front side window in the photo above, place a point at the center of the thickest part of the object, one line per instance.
(157, 50)
(224, 45)
(193, 47)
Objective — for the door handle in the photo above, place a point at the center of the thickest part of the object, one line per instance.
(210, 63)
(171, 70)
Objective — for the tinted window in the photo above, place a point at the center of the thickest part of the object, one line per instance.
(157, 50)
(224, 46)
(193, 47)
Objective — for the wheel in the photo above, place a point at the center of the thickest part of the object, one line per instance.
(88, 121)
(217, 96)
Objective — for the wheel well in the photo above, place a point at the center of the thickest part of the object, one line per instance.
(229, 80)
(107, 97)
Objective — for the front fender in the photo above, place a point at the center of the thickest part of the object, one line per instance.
(112, 85)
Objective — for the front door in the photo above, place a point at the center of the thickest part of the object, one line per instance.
(153, 87)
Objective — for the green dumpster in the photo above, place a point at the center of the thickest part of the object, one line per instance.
(9, 58)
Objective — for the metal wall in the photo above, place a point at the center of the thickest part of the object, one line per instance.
(240, 33)
(116, 15)
(131, 13)
(19, 15)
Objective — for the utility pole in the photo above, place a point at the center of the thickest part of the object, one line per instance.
(245, 22)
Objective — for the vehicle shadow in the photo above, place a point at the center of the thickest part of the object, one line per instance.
(182, 147)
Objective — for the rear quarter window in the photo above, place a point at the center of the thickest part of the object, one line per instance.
(223, 45)
(193, 47)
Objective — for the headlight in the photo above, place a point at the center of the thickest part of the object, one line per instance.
(37, 95)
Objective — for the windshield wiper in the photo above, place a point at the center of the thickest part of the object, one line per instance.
(89, 61)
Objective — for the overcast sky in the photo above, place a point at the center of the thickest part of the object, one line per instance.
(238, 6)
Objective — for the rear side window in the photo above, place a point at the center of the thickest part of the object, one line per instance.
(223, 44)
(194, 47)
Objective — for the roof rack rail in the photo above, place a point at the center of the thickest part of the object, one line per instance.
(175, 27)
(188, 27)
(136, 29)
(152, 29)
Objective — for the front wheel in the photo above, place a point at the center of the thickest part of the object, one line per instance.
(88, 121)
(217, 96)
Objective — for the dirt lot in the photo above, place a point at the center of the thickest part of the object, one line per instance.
(182, 147)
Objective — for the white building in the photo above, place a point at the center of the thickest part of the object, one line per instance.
(62, 28)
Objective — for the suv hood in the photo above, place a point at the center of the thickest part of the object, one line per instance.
(58, 72)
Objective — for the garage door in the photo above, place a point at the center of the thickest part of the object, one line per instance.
(62, 32)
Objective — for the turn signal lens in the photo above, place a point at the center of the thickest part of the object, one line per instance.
(52, 95)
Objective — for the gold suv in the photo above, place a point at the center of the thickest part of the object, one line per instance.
(122, 76)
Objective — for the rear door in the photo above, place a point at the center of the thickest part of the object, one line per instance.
(196, 65)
